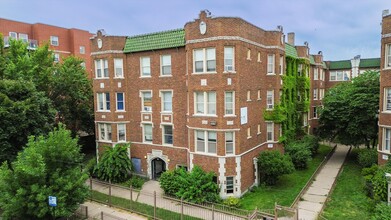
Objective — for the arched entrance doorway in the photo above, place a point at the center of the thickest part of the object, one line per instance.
(158, 167)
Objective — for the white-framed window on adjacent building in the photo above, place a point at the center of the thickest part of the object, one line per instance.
(305, 119)
(205, 103)
(270, 63)
(56, 57)
(281, 65)
(145, 63)
(315, 112)
(147, 133)
(103, 101)
(229, 184)
(229, 103)
(13, 35)
(120, 101)
(54, 40)
(388, 56)
(229, 63)
(121, 132)
(101, 68)
(269, 131)
(316, 73)
(165, 65)
(229, 143)
(24, 37)
(386, 139)
(315, 94)
(339, 75)
(146, 101)
(387, 99)
(104, 132)
(166, 97)
(270, 99)
(204, 60)
(300, 69)
(119, 68)
(206, 141)
(167, 134)
(321, 94)
(321, 74)
(82, 49)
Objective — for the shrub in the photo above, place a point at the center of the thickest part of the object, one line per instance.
(232, 202)
(90, 166)
(312, 143)
(114, 165)
(368, 174)
(272, 164)
(382, 212)
(367, 157)
(136, 182)
(299, 154)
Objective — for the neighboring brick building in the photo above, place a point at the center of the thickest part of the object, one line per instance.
(62, 41)
(385, 91)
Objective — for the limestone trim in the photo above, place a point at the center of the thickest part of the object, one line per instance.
(237, 38)
(159, 145)
(222, 177)
(386, 35)
(191, 165)
(106, 52)
(384, 126)
(208, 129)
(238, 178)
(256, 173)
(151, 156)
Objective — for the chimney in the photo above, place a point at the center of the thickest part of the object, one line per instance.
(385, 12)
(291, 38)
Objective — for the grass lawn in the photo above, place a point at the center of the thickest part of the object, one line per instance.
(287, 188)
(348, 200)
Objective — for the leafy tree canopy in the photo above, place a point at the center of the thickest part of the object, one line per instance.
(272, 164)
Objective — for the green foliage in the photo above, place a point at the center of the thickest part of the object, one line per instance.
(24, 111)
(350, 109)
(195, 186)
(382, 212)
(312, 143)
(368, 174)
(48, 166)
(278, 114)
(272, 164)
(299, 153)
(367, 157)
(137, 182)
(232, 202)
(379, 183)
(90, 166)
(114, 165)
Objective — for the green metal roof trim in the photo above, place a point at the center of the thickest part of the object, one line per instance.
(312, 60)
(155, 41)
(324, 65)
(290, 51)
(342, 64)
(371, 62)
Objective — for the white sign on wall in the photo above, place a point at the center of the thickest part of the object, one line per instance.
(243, 115)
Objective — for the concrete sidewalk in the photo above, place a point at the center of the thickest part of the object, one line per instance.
(95, 210)
(316, 195)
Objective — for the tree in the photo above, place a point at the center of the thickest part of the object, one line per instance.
(48, 166)
(71, 93)
(299, 153)
(272, 164)
(350, 111)
(114, 165)
(24, 111)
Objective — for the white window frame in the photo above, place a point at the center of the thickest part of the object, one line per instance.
(118, 68)
(103, 66)
(13, 35)
(145, 140)
(321, 74)
(56, 57)
(119, 139)
(165, 65)
(248, 95)
(271, 60)
(259, 57)
(229, 59)
(249, 133)
(229, 106)
(107, 132)
(24, 37)
(387, 99)
(54, 40)
(229, 143)
(386, 140)
(248, 54)
(281, 65)
(270, 99)
(315, 94)
(142, 96)
(205, 58)
(316, 73)
(387, 56)
(259, 129)
(103, 102)
(145, 67)
(117, 101)
(315, 112)
(82, 49)
(339, 75)
(164, 134)
(230, 184)
(206, 141)
(259, 95)
(163, 101)
(269, 131)
(206, 103)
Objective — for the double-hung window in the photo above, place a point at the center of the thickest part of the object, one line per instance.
(229, 103)
(204, 60)
(24, 37)
(205, 103)
(387, 139)
(56, 57)
(229, 59)
(270, 63)
(147, 133)
(54, 40)
(118, 68)
(206, 141)
(166, 101)
(316, 73)
(165, 62)
(146, 98)
(315, 96)
(104, 132)
(145, 66)
(339, 76)
(281, 65)
(229, 143)
(230, 184)
(314, 112)
(121, 130)
(101, 68)
(387, 99)
(120, 101)
(270, 99)
(388, 56)
(82, 49)
(269, 131)
(167, 134)
(13, 35)
(104, 101)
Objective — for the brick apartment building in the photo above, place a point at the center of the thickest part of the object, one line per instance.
(385, 91)
(62, 41)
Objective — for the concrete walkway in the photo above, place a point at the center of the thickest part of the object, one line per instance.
(314, 198)
(95, 211)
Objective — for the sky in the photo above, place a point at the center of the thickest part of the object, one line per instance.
(341, 29)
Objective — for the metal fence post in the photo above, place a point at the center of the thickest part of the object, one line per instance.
(154, 204)
(182, 208)
(86, 212)
(110, 193)
(131, 193)
(213, 211)
(101, 215)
